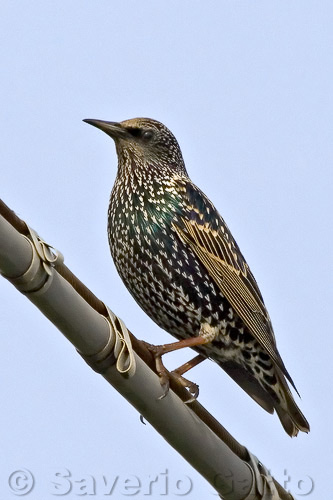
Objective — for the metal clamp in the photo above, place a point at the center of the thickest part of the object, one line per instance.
(40, 269)
(48, 257)
(118, 349)
(263, 485)
(123, 349)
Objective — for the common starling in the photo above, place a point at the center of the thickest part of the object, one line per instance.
(178, 259)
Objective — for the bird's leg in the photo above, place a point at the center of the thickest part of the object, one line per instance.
(207, 334)
(189, 364)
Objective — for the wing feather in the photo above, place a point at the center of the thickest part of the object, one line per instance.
(219, 253)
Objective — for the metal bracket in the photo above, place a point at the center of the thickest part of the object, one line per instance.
(40, 269)
(263, 485)
(118, 349)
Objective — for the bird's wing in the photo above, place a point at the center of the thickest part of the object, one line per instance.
(202, 228)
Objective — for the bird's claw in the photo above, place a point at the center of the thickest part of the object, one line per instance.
(191, 387)
(162, 372)
(164, 375)
(165, 384)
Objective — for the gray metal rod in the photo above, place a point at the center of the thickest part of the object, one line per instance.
(15, 251)
(54, 297)
(184, 431)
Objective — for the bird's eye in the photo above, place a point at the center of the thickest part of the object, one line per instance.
(147, 135)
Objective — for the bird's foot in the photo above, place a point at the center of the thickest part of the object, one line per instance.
(165, 375)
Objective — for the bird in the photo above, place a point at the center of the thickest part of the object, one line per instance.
(178, 259)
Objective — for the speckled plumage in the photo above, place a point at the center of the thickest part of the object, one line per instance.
(179, 261)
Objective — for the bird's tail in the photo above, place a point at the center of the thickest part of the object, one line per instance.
(277, 397)
(291, 417)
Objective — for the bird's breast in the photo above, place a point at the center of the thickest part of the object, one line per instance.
(162, 274)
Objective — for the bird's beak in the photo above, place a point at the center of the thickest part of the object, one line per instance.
(113, 129)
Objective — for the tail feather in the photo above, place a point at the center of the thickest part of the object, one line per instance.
(291, 417)
(279, 398)
(249, 384)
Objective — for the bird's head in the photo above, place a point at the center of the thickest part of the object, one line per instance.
(146, 141)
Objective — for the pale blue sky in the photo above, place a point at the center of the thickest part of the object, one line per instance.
(246, 86)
